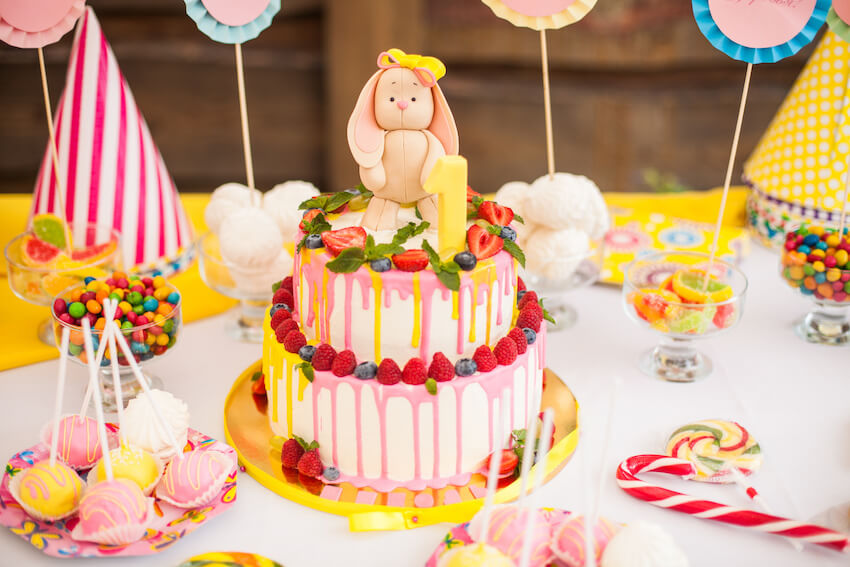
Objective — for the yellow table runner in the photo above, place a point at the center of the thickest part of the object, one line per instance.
(19, 344)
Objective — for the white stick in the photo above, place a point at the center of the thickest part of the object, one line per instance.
(547, 105)
(243, 115)
(98, 402)
(753, 495)
(540, 475)
(128, 353)
(592, 515)
(101, 349)
(530, 437)
(495, 463)
(60, 393)
(728, 181)
(589, 522)
(111, 306)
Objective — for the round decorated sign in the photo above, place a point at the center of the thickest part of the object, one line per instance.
(838, 19)
(229, 21)
(541, 14)
(760, 31)
(36, 23)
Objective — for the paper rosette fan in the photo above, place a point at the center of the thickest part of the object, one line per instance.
(541, 14)
(838, 19)
(112, 173)
(797, 170)
(227, 21)
(35, 23)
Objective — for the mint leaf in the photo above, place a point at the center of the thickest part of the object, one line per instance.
(348, 261)
(318, 202)
(317, 225)
(477, 200)
(276, 286)
(450, 280)
(307, 369)
(256, 376)
(410, 229)
(519, 219)
(451, 267)
(382, 250)
(514, 250)
(433, 257)
(363, 191)
(431, 386)
(546, 314)
(493, 229)
(337, 200)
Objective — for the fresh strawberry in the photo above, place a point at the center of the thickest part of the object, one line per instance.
(520, 285)
(343, 364)
(287, 284)
(530, 318)
(283, 296)
(495, 213)
(414, 372)
(258, 384)
(324, 356)
(310, 464)
(441, 369)
(485, 359)
(505, 351)
(481, 243)
(291, 453)
(413, 260)
(284, 328)
(519, 338)
(508, 464)
(308, 216)
(293, 341)
(338, 240)
(470, 193)
(388, 372)
(528, 297)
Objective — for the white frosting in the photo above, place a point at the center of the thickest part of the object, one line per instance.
(567, 201)
(143, 429)
(226, 199)
(282, 204)
(643, 544)
(255, 282)
(555, 254)
(250, 240)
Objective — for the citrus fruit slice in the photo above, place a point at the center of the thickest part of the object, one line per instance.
(93, 252)
(37, 253)
(56, 282)
(50, 229)
(652, 305)
(689, 285)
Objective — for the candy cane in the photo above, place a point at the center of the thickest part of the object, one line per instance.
(709, 510)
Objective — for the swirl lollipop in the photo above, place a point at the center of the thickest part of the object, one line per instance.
(715, 447)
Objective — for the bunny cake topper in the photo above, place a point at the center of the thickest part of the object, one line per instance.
(400, 127)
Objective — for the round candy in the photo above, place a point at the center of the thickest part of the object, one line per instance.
(133, 464)
(76, 310)
(48, 493)
(714, 447)
(113, 512)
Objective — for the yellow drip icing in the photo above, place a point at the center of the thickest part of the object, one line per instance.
(474, 307)
(455, 305)
(417, 311)
(377, 285)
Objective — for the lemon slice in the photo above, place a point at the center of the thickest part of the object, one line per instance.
(50, 229)
(689, 284)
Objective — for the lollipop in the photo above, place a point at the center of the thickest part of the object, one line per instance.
(48, 492)
(715, 447)
(192, 479)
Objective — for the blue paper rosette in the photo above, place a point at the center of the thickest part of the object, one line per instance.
(224, 33)
(771, 54)
(838, 26)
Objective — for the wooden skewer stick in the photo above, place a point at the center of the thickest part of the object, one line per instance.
(60, 195)
(243, 113)
(728, 181)
(547, 103)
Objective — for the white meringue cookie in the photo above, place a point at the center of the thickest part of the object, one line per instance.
(282, 204)
(513, 194)
(226, 199)
(258, 283)
(642, 544)
(567, 201)
(249, 239)
(142, 428)
(555, 254)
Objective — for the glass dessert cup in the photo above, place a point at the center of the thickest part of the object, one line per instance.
(253, 289)
(40, 283)
(653, 291)
(143, 340)
(577, 271)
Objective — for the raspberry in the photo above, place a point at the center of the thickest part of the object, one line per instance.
(291, 453)
(529, 318)
(485, 359)
(279, 316)
(519, 338)
(344, 364)
(441, 369)
(284, 328)
(388, 372)
(520, 285)
(324, 357)
(283, 296)
(287, 284)
(527, 297)
(293, 341)
(414, 372)
(310, 464)
(505, 351)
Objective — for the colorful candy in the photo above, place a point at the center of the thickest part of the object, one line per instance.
(47, 492)
(816, 261)
(714, 447)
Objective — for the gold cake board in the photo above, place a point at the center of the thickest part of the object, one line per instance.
(246, 428)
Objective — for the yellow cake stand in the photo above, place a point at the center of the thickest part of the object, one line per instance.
(246, 428)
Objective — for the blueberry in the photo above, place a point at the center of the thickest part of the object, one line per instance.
(519, 295)
(278, 306)
(381, 264)
(366, 370)
(331, 473)
(508, 233)
(530, 335)
(306, 352)
(314, 241)
(466, 260)
(353, 191)
(465, 367)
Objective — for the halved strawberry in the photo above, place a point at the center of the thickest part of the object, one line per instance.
(482, 243)
(338, 240)
(258, 384)
(495, 213)
(411, 261)
(470, 193)
(508, 464)
(308, 216)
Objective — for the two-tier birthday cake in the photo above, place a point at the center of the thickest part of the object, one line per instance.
(405, 321)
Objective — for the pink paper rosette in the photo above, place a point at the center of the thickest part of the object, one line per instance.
(31, 24)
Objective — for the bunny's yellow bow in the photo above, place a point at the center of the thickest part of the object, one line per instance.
(428, 69)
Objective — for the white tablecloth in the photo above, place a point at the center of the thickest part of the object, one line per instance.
(793, 396)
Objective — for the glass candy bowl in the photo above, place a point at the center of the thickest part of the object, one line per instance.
(667, 292)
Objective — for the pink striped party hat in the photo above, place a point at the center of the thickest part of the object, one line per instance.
(111, 170)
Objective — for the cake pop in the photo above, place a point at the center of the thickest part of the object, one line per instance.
(192, 479)
(643, 545)
(131, 463)
(48, 492)
(568, 545)
(142, 428)
(78, 443)
(475, 555)
(113, 512)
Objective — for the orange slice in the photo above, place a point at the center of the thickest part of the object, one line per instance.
(689, 284)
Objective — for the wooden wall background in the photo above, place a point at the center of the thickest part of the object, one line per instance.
(635, 86)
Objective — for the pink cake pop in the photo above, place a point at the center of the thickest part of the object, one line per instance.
(568, 544)
(79, 446)
(113, 512)
(192, 479)
(507, 531)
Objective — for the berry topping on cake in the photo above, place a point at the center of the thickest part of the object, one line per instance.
(324, 357)
(388, 372)
(284, 329)
(471, 193)
(441, 369)
(278, 307)
(495, 213)
(287, 284)
(519, 338)
(466, 260)
(485, 359)
(314, 241)
(338, 240)
(310, 464)
(381, 265)
(415, 372)
(344, 364)
(530, 317)
(508, 464)
(465, 367)
(291, 453)
(520, 285)
(293, 341)
(366, 370)
(283, 296)
(331, 474)
(258, 384)
(525, 298)
(306, 352)
(530, 335)
(412, 260)
(279, 317)
(482, 243)
(505, 351)
(308, 216)
(507, 233)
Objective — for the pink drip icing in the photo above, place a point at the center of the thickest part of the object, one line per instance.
(335, 441)
(358, 405)
(329, 306)
(459, 428)
(417, 462)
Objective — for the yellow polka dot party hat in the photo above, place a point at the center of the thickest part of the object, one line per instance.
(798, 170)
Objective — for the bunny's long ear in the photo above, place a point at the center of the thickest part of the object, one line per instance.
(443, 124)
(365, 137)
